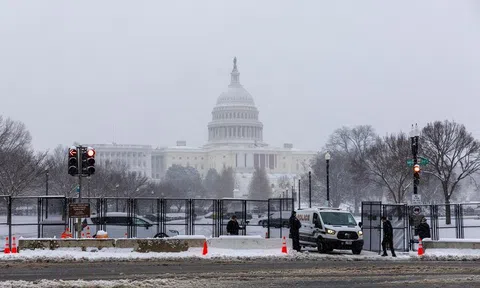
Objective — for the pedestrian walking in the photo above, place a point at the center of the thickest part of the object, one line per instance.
(295, 225)
(387, 237)
(233, 227)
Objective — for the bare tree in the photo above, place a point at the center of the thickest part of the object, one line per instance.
(20, 165)
(353, 144)
(454, 155)
(385, 165)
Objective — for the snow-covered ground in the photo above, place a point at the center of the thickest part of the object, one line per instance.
(116, 254)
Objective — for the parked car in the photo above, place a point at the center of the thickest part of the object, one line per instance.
(277, 219)
(117, 222)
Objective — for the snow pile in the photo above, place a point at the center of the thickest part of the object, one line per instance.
(102, 234)
(448, 255)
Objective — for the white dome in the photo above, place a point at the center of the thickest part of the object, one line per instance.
(235, 117)
(236, 95)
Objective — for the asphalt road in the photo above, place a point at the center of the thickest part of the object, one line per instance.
(256, 273)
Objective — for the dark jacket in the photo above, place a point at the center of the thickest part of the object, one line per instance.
(387, 230)
(423, 230)
(233, 227)
(294, 225)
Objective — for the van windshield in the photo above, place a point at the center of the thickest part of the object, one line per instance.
(339, 219)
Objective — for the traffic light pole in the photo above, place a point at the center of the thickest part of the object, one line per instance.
(80, 158)
(415, 162)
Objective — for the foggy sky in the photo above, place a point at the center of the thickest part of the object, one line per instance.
(149, 72)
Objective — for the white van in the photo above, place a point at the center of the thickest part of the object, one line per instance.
(330, 228)
(117, 222)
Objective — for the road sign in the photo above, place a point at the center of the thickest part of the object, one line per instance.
(417, 210)
(421, 161)
(79, 210)
(416, 199)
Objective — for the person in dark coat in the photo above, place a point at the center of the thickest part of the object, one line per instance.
(423, 229)
(387, 237)
(233, 226)
(295, 225)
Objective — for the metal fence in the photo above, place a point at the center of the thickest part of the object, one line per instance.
(47, 217)
(460, 221)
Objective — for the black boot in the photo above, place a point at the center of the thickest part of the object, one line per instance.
(384, 254)
(393, 254)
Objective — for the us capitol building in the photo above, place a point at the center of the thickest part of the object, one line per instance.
(235, 139)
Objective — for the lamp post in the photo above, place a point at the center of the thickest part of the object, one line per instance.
(299, 205)
(46, 192)
(327, 159)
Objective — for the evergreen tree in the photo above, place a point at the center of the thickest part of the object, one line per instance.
(259, 188)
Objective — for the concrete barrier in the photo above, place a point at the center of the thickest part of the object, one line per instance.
(247, 242)
(144, 245)
(451, 244)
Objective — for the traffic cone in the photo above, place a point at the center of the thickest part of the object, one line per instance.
(205, 248)
(126, 235)
(284, 245)
(14, 246)
(6, 250)
(88, 232)
(420, 247)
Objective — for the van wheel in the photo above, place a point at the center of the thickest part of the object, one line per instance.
(357, 251)
(160, 235)
(321, 246)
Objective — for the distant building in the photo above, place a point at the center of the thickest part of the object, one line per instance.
(235, 139)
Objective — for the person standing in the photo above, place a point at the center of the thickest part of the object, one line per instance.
(423, 229)
(295, 225)
(233, 227)
(387, 237)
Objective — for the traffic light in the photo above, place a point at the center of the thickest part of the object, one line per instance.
(90, 161)
(416, 174)
(72, 161)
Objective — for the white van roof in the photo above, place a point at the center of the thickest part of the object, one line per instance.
(323, 209)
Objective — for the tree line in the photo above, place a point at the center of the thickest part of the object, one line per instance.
(366, 166)
(363, 166)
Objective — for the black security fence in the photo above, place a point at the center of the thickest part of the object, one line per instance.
(48, 217)
(446, 221)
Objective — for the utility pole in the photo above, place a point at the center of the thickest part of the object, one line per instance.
(327, 159)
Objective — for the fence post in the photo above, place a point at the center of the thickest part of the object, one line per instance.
(9, 220)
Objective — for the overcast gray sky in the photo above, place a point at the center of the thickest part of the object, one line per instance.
(149, 72)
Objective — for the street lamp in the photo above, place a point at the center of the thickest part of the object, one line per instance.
(46, 192)
(327, 159)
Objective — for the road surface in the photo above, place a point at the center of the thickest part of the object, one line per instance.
(253, 273)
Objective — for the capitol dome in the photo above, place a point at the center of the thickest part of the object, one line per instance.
(235, 117)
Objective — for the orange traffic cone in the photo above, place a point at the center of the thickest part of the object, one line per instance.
(205, 248)
(6, 250)
(14, 245)
(69, 234)
(284, 245)
(420, 247)
(88, 232)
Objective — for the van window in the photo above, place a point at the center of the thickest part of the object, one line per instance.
(340, 219)
(121, 221)
(316, 221)
(140, 222)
